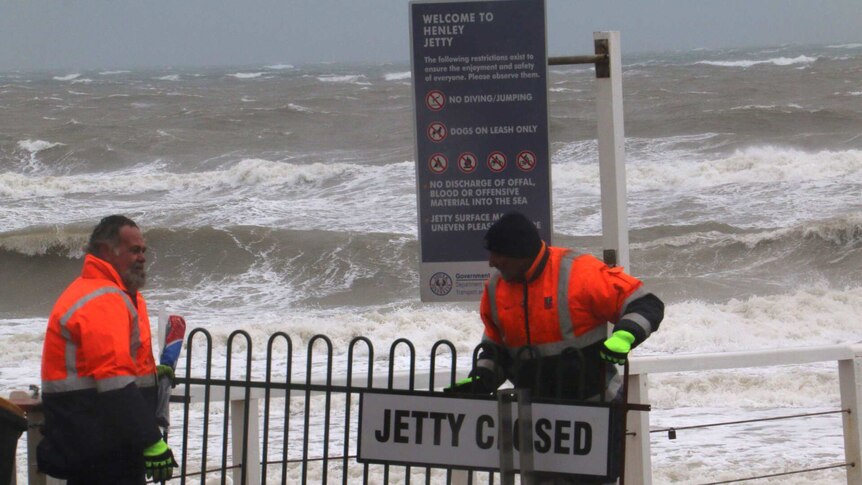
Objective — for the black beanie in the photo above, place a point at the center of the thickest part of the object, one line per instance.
(513, 235)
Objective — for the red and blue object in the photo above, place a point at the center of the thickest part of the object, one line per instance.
(175, 332)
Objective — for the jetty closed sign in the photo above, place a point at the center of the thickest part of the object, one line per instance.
(433, 430)
(481, 127)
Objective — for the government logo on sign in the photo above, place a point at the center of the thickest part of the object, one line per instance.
(441, 284)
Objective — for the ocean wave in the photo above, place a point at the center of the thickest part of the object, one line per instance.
(844, 232)
(68, 77)
(246, 173)
(756, 165)
(397, 76)
(278, 67)
(169, 77)
(36, 146)
(679, 163)
(67, 241)
(776, 61)
(844, 46)
(113, 73)
(247, 75)
(347, 78)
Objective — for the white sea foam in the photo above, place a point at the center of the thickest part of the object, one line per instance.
(277, 67)
(169, 77)
(298, 108)
(845, 46)
(36, 146)
(247, 173)
(348, 78)
(67, 77)
(113, 73)
(397, 76)
(247, 75)
(777, 61)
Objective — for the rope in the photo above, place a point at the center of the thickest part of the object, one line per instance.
(840, 465)
(727, 423)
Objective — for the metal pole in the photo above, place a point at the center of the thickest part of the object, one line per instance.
(612, 155)
(505, 398)
(525, 437)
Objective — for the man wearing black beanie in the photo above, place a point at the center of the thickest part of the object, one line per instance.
(546, 312)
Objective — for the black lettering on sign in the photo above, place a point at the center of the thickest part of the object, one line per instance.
(455, 423)
(583, 438)
(420, 416)
(560, 437)
(438, 426)
(542, 444)
(484, 440)
(400, 426)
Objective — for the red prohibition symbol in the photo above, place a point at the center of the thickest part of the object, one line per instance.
(467, 162)
(438, 163)
(435, 100)
(496, 161)
(526, 160)
(437, 132)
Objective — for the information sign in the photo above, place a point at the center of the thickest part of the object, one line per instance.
(433, 430)
(480, 91)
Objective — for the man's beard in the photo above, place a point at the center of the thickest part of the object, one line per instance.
(134, 278)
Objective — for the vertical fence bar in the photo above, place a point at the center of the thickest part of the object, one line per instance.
(850, 384)
(410, 386)
(268, 404)
(453, 363)
(187, 403)
(237, 414)
(328, 394)
(368, 380)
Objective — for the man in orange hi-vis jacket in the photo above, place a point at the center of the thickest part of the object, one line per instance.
(546, 311)
(98, 372)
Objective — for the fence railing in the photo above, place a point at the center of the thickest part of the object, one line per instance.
(265, 421)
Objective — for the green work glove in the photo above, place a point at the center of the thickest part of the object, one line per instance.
(166, 370)
(159, 461)
(464, 386)
(616, 348)
(481, 381)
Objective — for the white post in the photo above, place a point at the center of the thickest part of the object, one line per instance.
(251, 461)
(612, 154)
(638, 465)
(850, 384)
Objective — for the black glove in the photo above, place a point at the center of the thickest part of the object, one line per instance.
(480, 381)
(159, 461)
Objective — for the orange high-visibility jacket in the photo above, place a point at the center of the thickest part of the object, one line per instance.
(570, 299)
(98, 378)
(97, 337)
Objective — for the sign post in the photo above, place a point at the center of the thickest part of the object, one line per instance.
(481, 126)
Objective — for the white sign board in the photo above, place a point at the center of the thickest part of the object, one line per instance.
(435, 430)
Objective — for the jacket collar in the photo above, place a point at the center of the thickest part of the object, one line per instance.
(538, 264)
(97, 268)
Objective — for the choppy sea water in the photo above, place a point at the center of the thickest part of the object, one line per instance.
(282, 198)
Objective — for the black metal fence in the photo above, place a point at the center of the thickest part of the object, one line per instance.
(271, 421)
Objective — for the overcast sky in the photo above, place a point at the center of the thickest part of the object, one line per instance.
(104, 34)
